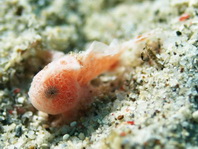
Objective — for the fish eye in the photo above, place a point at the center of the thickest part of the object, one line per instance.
(51, 92)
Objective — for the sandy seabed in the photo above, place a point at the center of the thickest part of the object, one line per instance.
(156, 105)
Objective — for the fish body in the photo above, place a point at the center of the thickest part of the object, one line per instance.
(64, 84)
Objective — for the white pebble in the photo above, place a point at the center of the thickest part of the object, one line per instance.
(21, 99)
(195, 116)
(81, 136)
(65, 137)
(44, 146)
(31, 135)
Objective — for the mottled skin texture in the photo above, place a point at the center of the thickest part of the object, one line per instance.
(63, 86)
